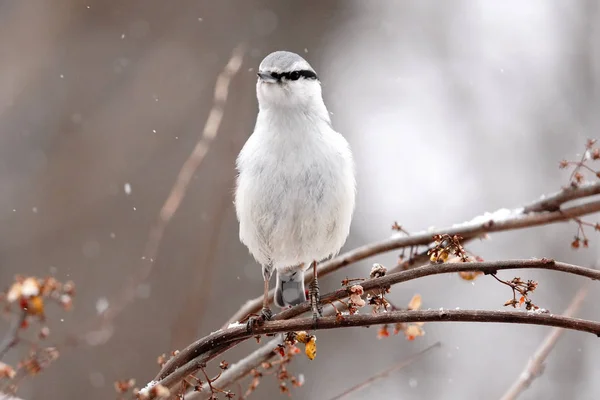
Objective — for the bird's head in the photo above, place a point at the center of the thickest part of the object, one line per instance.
(286, 80)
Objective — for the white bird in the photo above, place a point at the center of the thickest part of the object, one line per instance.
(296, 185)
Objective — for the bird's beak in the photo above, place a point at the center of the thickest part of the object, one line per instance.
(266, 77)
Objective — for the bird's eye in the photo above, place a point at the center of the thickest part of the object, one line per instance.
(294, 76)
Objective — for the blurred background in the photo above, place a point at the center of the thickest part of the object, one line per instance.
(452, 109)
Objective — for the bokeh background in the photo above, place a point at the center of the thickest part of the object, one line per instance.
(452, 109)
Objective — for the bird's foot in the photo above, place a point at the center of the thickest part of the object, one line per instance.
(315, 302)
(265, 315)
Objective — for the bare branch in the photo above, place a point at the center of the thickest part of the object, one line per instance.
(240, 369)
(386, 372)
(244, 366)
(237, 333)
(554, 201)
(535, 366)
(490, 267)
(11, 338)
(180, 187)
(196, 353)
(517, 220)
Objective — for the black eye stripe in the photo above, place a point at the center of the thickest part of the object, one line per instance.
(295, 75)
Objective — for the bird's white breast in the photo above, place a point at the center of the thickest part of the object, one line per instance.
(295, 191)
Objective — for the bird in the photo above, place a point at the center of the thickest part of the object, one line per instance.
(296, 187)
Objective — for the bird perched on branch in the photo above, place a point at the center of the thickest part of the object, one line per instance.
(296, 186)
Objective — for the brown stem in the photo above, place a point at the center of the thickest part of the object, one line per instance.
(214, 344)
(467, 231)
(489, 267)
(211, 342)
(179, 189)
(579, 164)
(11, 338)
(271, 327)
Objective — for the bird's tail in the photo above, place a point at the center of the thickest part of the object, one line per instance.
(289, 290)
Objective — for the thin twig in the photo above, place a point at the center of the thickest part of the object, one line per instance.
(467, 231)
(240, 369)
(180, 187)
(11, 338)
(272, 327)
(386, 372)
(535, 366)
(208, 381)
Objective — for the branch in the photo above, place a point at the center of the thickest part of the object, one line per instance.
(201, 351)
(244, 366)
(517, 219)
(11, 338)
(272, 327)
(196, 349)
(386, 372)
(180, 187)
(489, 267)
(535, 366)
(555, 200)
(240, 369)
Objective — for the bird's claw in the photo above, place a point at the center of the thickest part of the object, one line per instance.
(265, 315)
(315, 303)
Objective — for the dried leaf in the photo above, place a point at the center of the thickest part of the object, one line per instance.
(413, 331)
(469, 275)
(311, 348)
(383, 332)
(415, 302)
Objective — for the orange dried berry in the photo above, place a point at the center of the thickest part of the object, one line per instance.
(35, 305)
(443, 256)
(32, 366)
(123, 386)
(563, 164)
(6, 371)
(160, 391)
